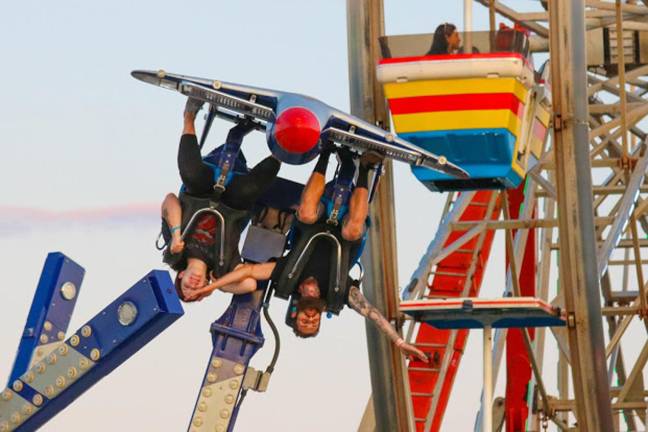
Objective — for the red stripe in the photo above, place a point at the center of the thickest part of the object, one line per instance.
(463, 102)
(452, 57)
(539, 130)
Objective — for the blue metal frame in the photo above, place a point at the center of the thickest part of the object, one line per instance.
(97, 348)
(236, 337)
(50, 312)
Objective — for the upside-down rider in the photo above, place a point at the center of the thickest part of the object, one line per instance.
(200, 253)
(311, 273)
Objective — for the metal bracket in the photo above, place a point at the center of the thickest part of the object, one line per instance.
(256, 380)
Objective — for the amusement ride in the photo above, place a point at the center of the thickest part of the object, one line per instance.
(533, 127)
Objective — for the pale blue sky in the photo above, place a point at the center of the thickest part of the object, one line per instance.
(78, 132)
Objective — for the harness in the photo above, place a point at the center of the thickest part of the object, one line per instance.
(306, 237)
(230, 221)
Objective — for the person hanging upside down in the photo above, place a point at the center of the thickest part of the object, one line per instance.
(199, 254)
(308, 272)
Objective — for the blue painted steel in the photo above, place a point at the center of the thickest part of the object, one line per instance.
(237, 336)
(158, 307)
(486, 154)
(48, 305)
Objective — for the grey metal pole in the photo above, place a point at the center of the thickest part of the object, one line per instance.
(365, 24)
(579, 278)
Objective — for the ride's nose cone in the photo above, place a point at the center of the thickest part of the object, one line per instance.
(150, 77)
(297, 130)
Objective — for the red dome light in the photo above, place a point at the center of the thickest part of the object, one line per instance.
(297, 130)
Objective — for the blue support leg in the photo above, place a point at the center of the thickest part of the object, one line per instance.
(236, 337)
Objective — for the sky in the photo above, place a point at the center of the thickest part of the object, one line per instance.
(88, 153)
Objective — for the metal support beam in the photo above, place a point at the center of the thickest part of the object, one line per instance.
(578, 274)
(365, 24)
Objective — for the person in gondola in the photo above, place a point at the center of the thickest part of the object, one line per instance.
(446, 40)
(308, 272)
(197, 256)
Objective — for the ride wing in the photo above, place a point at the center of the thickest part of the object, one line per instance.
(358, 134)
(228, 100)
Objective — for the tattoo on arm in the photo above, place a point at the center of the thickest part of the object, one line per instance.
(360, 304)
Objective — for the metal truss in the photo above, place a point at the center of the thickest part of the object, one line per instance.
(591, 225)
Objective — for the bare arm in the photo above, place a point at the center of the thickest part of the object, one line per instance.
(360, 304)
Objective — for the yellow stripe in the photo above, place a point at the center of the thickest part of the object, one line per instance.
(543, 115)
(456, 86)
(453, 120)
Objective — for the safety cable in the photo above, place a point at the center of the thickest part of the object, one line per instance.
(275, 332)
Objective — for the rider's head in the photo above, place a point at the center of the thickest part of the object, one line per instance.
(309, 309)
(193, 277)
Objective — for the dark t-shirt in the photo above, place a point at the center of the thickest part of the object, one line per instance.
(320, 261)
(200, 242)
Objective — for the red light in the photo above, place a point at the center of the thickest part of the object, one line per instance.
(297, 130)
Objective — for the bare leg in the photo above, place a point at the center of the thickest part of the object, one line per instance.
(354, 222)
(309, 206)
(172, 214)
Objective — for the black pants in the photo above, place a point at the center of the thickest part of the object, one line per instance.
(241, 193)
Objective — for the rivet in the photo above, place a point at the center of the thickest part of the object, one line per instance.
(443, 160)
(74, 340)
(238, 369)
(212, 377)
(229, 399)
(220, 428)
(17, 385)
(161, 73)
(216, 363)
(86, 331)
(49, 391)
(27, 410)
(197, 421)
(15, 418)
(224, 413)
(233, 384)
(47, 326)
(207, 392)
(95, 354)
(217, 84)
(60, 381)
(63, 349)
(84, 363)
(40, 367)
(68, 291)
(60, 335)
(4, 427)
(39, 352)
(43, 339)
(51, 359)
(202, 407)
(72, 372)
(7, 395)
(37, 400)
(29, 376)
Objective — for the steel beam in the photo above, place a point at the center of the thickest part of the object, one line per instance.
(365, 24)
(578, 275)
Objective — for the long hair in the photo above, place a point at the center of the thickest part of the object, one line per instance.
(440, 41)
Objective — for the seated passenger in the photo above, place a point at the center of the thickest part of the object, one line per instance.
(312, 284)
(197, 255)
(446, 40)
